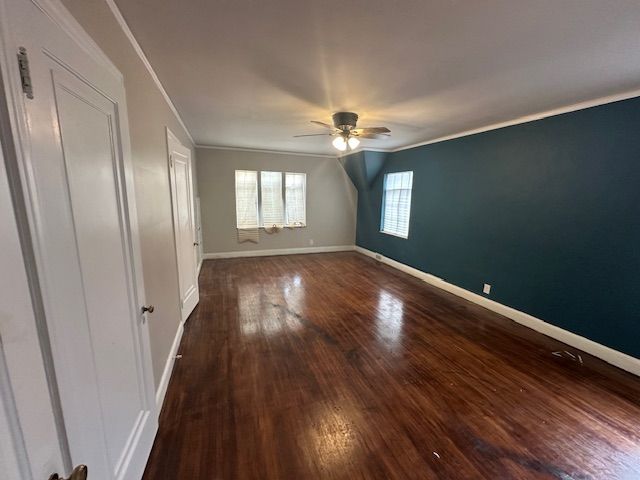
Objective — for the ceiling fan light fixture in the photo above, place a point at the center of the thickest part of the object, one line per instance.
(340, 143)
(346, 135)
(353, 143)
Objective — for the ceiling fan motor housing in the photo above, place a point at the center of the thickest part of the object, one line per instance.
(345, 120)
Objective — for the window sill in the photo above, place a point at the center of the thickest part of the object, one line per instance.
(283, 226)
(395, 234)
(263, 228)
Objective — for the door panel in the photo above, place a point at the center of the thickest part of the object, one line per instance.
(184, 224)
(86, 127)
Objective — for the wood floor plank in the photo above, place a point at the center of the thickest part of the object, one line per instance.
(334, 366)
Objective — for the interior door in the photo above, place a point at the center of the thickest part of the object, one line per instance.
(76, 170)
(26, 411)
(184, 227)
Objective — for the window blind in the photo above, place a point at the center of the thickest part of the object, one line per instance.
(246, 199)
(271, 202)
(397, 203)
(295, 199)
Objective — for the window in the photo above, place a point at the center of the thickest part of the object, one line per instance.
(246, 199)
(271, 193)
(396, 203)
(295, 198)
(264, 201)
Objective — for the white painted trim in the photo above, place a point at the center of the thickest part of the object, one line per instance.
(609, 355)
(161, 392)
(260, 150)
(57, 12)
(199, 267)
(278, 251)
(136, 46)
(516, 121)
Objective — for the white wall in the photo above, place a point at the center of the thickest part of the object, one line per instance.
(331, 200)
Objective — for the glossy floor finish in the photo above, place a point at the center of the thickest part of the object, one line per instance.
(335, 366)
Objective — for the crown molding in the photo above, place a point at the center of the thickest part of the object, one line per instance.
(136, 46)
(261, 150)
(517, 121)
(529, 118)
(495, 126)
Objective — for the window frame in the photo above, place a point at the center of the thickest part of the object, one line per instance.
(235, 190)
(304, 199)
(261, 223)
(383, 206)
(283, 192)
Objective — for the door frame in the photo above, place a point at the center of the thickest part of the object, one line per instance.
(22, 410)
(173, 140)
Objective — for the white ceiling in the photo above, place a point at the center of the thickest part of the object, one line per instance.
(253, 73)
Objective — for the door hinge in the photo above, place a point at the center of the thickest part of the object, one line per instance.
(25, 74)
(170, 161)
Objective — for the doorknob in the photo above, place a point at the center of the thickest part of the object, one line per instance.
(79, 473)
(148, 308)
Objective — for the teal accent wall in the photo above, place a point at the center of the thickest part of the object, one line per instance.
(547, 212)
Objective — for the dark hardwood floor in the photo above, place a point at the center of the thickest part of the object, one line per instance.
(334, 366)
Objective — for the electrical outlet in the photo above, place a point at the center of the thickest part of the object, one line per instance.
(311, 241)
(486, 289)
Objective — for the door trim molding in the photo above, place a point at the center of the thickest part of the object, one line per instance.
(161, 393)
(608, 354)
(57, 12)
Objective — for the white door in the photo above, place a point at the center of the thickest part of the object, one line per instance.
(184, 227)
(26, 411)
(75, 167)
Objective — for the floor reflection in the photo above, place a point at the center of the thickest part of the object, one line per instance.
(258, 314)
(390, 318)
(333, 435)
(294, 293)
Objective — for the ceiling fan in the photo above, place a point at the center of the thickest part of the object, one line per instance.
(346, 133)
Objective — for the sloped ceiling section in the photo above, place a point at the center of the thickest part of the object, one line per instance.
(253, 74)
(364, 167)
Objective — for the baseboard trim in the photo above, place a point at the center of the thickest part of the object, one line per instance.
(168, 368)
(609, 355)
(278, 251)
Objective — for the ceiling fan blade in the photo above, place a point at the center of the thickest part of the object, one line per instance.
(366, 130)
(315, 135)
(378, 136)
(325, 125)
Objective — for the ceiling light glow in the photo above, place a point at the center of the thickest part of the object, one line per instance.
(340, 143)
(353, 143)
